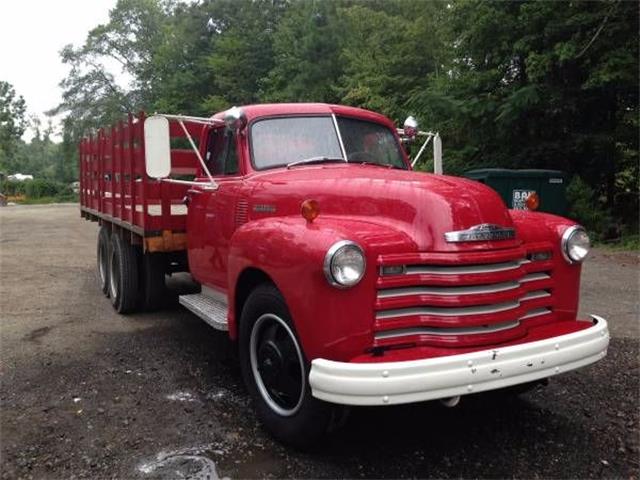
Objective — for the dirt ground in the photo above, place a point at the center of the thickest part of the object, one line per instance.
(86, 393)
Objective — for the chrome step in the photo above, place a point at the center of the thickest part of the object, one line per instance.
(211, 310)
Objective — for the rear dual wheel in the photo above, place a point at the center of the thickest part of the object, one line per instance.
(123, 275)
(130, 278)
(153, 292)
(104, 245)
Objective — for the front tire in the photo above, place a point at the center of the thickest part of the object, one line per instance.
(276, 371)
(123, 275)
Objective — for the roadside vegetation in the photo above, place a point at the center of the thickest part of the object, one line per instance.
(522, 84)
(37, 191)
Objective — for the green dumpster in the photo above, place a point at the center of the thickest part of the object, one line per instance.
(515, 187)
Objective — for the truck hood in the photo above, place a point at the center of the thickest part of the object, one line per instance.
(423, 206)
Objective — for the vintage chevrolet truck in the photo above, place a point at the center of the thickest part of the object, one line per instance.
(343, 276)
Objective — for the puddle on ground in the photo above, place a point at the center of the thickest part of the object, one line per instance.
(188, 463)
(217, 395)
(182, 397)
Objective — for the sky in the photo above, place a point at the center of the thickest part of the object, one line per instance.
(32, 33)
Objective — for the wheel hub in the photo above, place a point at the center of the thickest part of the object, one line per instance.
(270, 361)
(277, 364)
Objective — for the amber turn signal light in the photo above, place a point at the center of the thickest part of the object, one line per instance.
(533, 201)
(310, 210)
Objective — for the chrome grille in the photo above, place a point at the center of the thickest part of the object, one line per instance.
(459, 294)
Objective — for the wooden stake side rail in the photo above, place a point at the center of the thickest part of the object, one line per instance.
(115, 188)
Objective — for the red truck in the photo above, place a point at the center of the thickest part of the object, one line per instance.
(343, 276)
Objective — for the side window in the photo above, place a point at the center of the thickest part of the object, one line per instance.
(221, 157)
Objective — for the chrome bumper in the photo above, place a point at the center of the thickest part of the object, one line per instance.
(443, 377)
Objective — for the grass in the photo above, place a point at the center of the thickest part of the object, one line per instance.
(628, 242)
(46, 200)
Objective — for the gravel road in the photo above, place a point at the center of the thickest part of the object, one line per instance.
(86, 393)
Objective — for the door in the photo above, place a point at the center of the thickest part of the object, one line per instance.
(210, 220)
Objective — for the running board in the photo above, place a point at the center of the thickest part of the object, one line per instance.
(211, 310)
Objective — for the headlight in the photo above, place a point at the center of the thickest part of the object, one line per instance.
(575, 244)
(344, 264)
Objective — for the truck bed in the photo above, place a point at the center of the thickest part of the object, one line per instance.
(115, 188)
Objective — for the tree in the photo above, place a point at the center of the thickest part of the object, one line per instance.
(306, 48)
(12, 125)
(92, 97)
(389, 50)
(543, 85)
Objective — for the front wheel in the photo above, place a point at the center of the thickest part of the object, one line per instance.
(275, 372)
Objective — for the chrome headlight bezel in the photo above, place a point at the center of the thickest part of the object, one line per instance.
(329, 265)
(565, 243)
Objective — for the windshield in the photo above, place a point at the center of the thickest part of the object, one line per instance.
(277, 142)
(281, 141)
(369, 142)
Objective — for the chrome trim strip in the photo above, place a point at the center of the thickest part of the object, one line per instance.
(402, 332)
(447, 291)
(448, 311)
(335, 124)
(464, 269)
(535, 295)
(535, 313)
(532, 277)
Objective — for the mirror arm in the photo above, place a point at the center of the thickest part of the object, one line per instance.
(424, 145)
(188, 182)
(195, 149)
(421, 133)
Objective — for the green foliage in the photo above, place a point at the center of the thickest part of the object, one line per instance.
(306, 46)
(516, 84)
(39, 190)
(584, 206)
(12, 124)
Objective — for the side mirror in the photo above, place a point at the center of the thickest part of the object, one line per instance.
(157, 147)
(235, 119)
(410, 128)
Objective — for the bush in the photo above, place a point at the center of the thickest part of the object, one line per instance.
(12, 188)
(584, 208)
(39, 188)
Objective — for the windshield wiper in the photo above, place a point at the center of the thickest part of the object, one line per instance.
(383, 165)
(320, 159)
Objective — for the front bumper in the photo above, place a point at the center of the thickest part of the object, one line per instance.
(450, 376)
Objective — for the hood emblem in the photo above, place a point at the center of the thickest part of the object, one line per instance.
(481, 233)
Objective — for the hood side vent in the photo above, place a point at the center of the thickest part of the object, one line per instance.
(242, 212)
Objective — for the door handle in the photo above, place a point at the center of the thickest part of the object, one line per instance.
(187, 198)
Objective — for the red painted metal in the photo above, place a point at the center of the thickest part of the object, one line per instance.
(113, 182)
(253, 222)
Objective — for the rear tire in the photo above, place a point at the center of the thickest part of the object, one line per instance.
(276, 372)
(153, 289)
(104, 245)
(123, 275)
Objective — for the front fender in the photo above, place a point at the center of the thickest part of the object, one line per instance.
(331, 323)
(537, 227)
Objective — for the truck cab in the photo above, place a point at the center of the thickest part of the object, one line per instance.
(346, 278)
